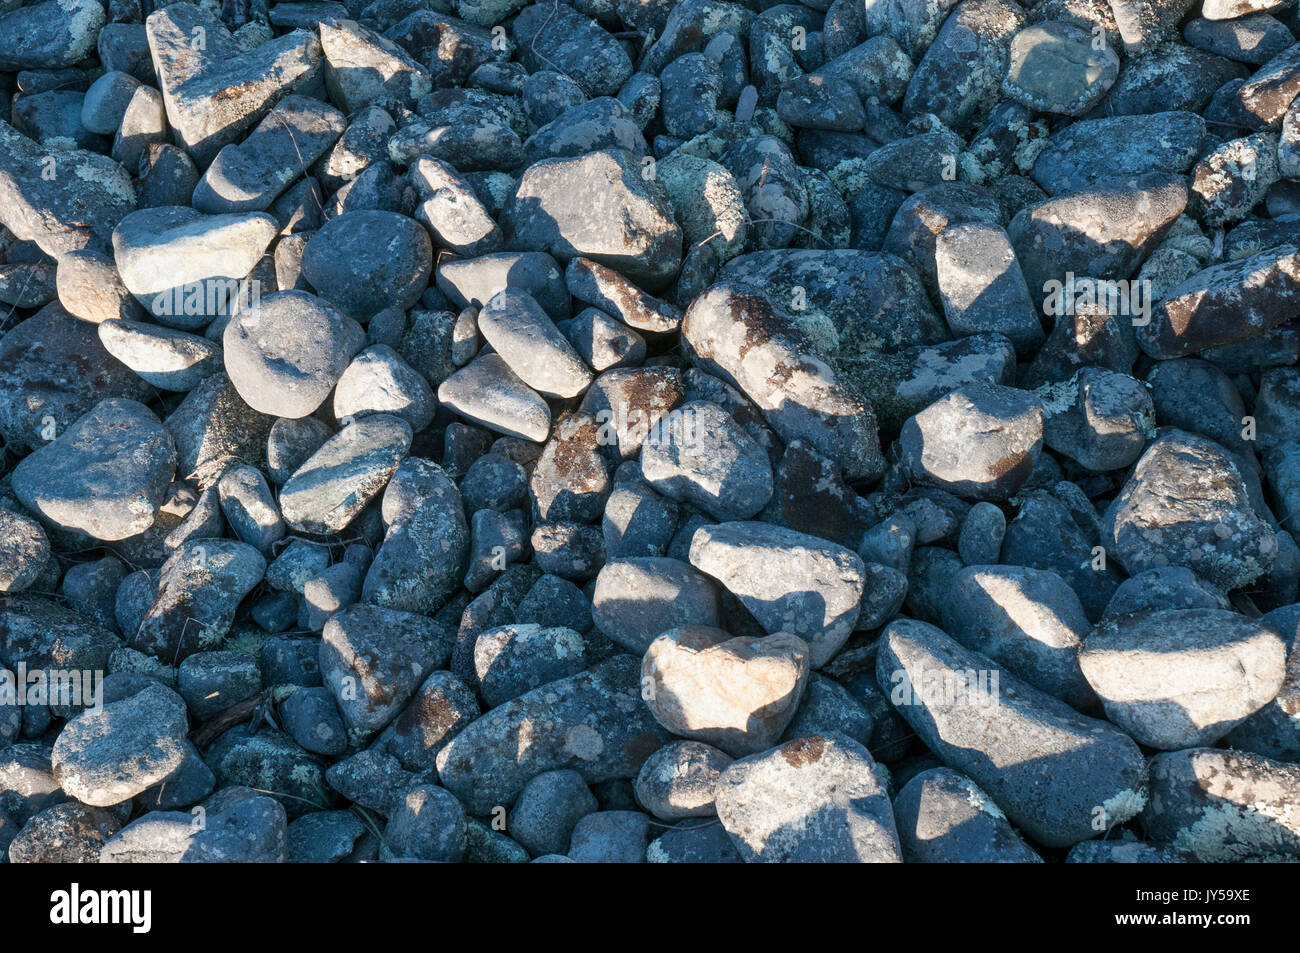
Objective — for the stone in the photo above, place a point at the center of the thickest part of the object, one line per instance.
(104, 476)
(1182, 678)
(735, 694)
(790, 582)
(816, 799)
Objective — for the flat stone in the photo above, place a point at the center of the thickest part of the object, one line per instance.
(105, 476)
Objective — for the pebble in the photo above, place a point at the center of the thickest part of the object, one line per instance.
(790, 582)
(1068, 767)
(735, 694)
(105, 476)
(944, 818)
(1182, 678)
(819, 799)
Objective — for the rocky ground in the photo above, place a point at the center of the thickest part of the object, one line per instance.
(641, 430)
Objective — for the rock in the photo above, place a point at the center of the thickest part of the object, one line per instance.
(816, 799)
(365, 261)
(982, 288)
(378, 381)
(1103, 231)
(187, 268)
(1107, 422)
(428, 823)
(109, 755)
(249, 176)
(592, 722)
(65, 201)
(745, 340)
(610, 837)
(472, 282)
(351, 468)
(600, 207)
(679, 780)
(548, 808)
(637, 599)
(790, 582)
(214, 94)
(1186, 504)
(488, 392)
(241, 826)
(450, 210)
(1050, 769)
(105, 476)
(362, 66)
(373, 659)
(68, 833)
(420, 562)
(1090, 151)
(215, 429)
(1228, 302)
(980, 442)
(535, 350)
(943, 817)
(1028, 620)
(698, 454)
(439, 710)
(1059, 68)
(166, 358)
(199, 589)
(605, 288)
(1182, 678)
(1223, 805)
(567, 41)
(211, 682)
(24, 553)
(957, 79)
(736, 694)
(514, 659)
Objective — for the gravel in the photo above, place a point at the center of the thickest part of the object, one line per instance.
(681, 431)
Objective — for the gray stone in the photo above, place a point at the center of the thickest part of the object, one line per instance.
(593, 722)
(1026, 619)
(327, 492)
(789, 582)
(199, 589)
(816, 799)
(374, 659)
(106, 475)
(678, 780)
(1183, 678)
(287, 352)
(598, 206)
(366, 261)
(488, 392)
(1186, 504)
(109, 755)
(943, 817)
(1050, 769)
(1223, 805)
(980, 442)
(187, 268)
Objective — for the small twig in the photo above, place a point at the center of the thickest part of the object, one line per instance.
(236, 713)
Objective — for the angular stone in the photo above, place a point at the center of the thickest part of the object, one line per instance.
(788, 581)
